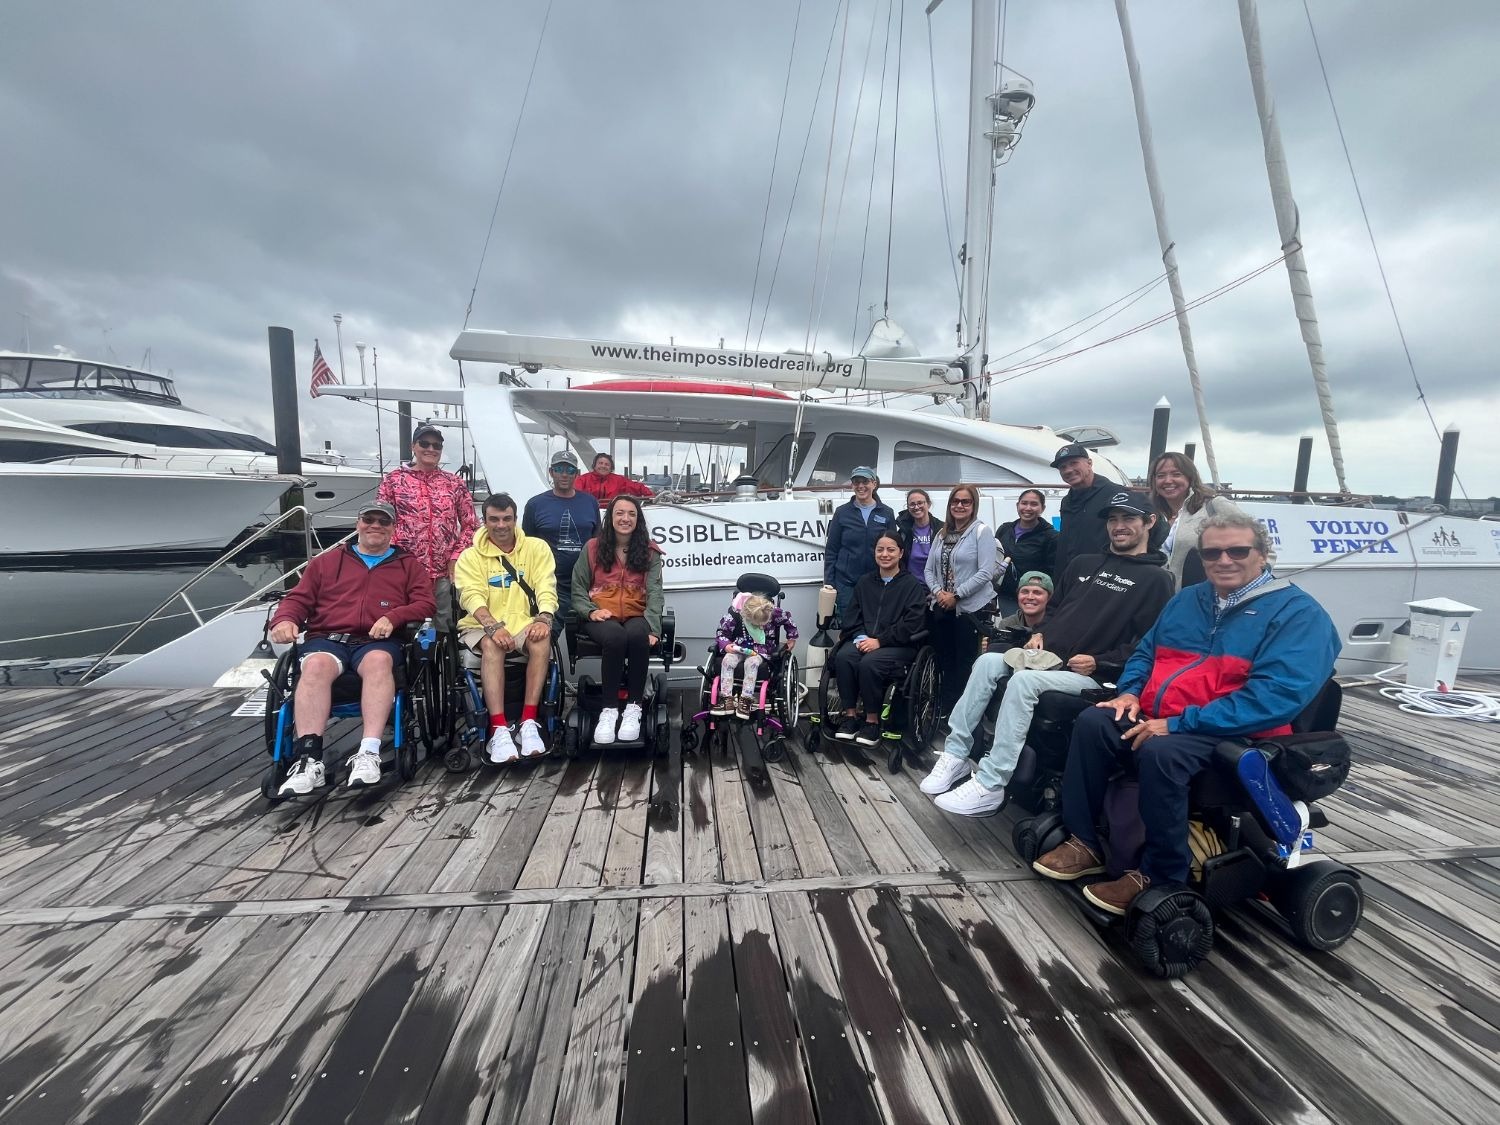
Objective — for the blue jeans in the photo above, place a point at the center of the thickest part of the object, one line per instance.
(1166, 764)
(1014, 720)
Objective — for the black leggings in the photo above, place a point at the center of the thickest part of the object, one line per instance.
(627, 649)
(956, 642)
(864, 676)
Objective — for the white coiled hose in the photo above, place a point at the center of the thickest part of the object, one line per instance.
(1475, 706)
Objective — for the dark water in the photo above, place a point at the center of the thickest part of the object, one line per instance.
(54, 622)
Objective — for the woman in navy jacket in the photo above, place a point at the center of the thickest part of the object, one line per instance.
(852, 532)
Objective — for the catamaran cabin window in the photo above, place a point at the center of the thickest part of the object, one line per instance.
(842, 454)
(773, 471)
(52, 375)
(184, 437)
(924, 464)
(12, 374)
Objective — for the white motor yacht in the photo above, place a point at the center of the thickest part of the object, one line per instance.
(109, 416)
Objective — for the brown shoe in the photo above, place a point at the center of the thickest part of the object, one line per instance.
(1117, 896)
(742, 706)
(1070, 860)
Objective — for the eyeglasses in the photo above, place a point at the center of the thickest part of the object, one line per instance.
(382, 521)
(1213, 554)
(430, 444)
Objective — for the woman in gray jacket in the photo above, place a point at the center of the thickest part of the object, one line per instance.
(960, 573)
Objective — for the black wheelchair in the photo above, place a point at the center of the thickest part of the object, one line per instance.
(908, 713)
(1252, 813)
(419, 715)
(778, 701)
(591, 697)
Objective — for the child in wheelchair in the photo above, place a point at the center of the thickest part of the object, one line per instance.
(749, 636)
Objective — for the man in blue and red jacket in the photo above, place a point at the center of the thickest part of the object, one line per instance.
(1239, 655)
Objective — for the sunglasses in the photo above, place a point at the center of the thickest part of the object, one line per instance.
(430, 444)
(1213, 554)
(960, 503)
(569, 469)
(383, 521)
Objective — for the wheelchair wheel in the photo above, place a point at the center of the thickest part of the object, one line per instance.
(791, 693)
(429, 705)
(1170, 929)
(278, 691)
(458, 760)
(830, 704)
(1035, 836)
(921, 700)
(774, 750)
(270, 781)
(1322, 902)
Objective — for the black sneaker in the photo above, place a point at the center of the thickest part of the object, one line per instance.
(868, 734)
(847, 729)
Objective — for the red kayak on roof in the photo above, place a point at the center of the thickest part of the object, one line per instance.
(686, 386)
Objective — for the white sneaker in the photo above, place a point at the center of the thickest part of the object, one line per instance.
(604, 730)
(502, 747)
(630, 723)
(532, 745)
(364, 769)
(305, 776)
(946, 772)
(972, 799)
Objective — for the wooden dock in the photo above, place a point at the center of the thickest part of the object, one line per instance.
(691, 939)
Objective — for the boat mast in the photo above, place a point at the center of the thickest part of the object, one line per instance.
(1168, 247)
(1289, 225)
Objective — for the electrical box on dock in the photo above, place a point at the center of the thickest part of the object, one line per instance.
(1436, 647)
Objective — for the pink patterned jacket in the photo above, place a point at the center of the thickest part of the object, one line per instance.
(435, 517)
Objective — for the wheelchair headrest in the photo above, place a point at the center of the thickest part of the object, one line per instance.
(753, 582)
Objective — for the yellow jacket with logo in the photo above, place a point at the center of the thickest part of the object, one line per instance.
(482, 580)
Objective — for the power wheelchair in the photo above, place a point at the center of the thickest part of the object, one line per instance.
(779, 696)
(419, 715)
(908, 713)
(591, 697)
(1252, 813)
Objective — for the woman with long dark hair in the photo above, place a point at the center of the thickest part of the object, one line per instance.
(1182, 502)
(1028, 541)
(960, 573)
(919, 529)
(617, 594)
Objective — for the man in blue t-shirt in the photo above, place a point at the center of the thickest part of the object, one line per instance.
(565, 519)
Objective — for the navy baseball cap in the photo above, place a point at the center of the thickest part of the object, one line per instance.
(1125, 501)
(1068, 452)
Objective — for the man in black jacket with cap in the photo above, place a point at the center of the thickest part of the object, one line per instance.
(1081, 533)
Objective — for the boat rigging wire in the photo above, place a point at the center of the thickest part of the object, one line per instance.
(765, 217)
(797, 180)
(1370, 232)
(509, 153)
(937, 130)
(864, 242)
(1152, 284)
(890, 227)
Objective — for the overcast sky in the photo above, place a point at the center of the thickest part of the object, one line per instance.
(181, 174)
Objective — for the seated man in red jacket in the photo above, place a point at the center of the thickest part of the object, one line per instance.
(604, 484)
(350, 600)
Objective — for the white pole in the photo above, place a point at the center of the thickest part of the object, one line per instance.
(1288, 224)
(360, 348)
(978, 199)
(1168, 247)
(338, 331)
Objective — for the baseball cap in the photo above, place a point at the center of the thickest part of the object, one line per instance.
(383, 509)
(427, 430)
(1036, 578)
(1124, 501)
(863, 471)
(1068, 452)
(562, 457)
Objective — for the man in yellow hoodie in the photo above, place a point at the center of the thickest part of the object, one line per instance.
(507, 586)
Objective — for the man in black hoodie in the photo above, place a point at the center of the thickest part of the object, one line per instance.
(1104, 605)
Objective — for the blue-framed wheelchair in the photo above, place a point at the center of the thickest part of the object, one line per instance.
(779, 692)
(419, 721)
(590, 696)
(908, 713)
(1252, 815)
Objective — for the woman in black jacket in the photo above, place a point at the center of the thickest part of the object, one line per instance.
(1029, 542)
(887, 614)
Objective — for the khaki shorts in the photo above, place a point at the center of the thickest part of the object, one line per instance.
(471, 638)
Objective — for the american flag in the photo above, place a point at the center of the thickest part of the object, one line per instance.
(322, 374)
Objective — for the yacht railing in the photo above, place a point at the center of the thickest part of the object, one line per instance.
(310, 542)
